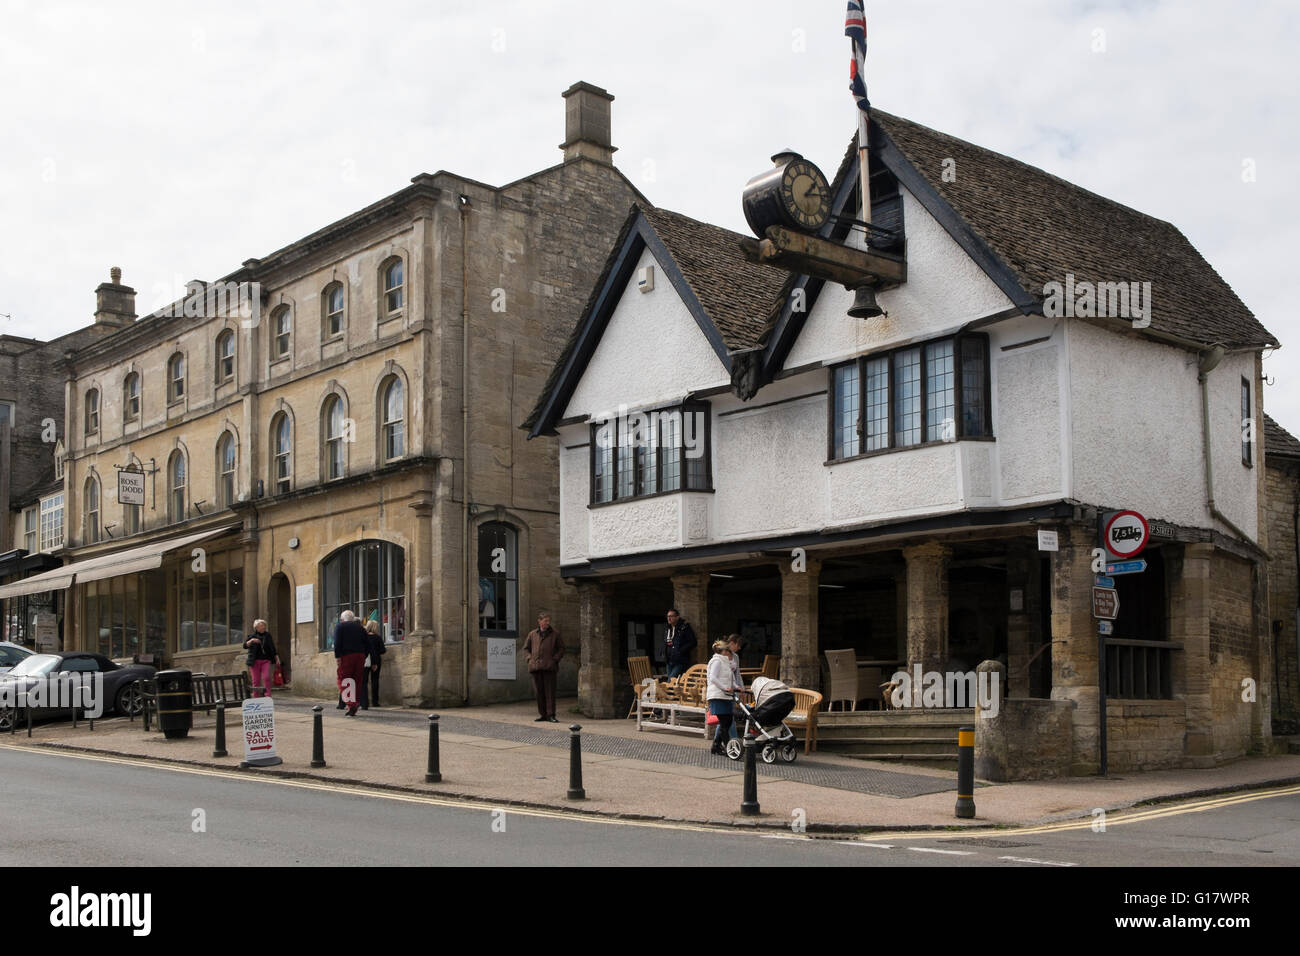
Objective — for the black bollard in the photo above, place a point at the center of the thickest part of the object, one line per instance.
(317, 737)
(29, 720)
(575, 763)
(432, 774)
(219, 749)
(749, 806)
(966, 773)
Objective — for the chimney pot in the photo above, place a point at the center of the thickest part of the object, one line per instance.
(115, 274)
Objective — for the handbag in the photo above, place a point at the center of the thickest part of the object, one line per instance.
(710, 720)
(278, 680)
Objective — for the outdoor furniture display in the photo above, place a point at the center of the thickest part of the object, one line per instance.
(869, 689)
(638, 668)
(843, 678)
(772, 666)
(804, 715)
(685, 695)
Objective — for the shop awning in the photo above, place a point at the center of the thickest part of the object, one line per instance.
(110, 565)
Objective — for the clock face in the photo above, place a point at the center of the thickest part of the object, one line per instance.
(805, 194)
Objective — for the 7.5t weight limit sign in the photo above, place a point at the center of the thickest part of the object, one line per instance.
(1126, 534)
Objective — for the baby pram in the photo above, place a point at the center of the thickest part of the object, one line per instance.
(767, 723)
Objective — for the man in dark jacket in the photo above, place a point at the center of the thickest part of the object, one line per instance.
(350, 652)
(680, 643)
(543, 649)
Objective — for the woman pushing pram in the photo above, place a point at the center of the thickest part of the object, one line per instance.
(773, 702)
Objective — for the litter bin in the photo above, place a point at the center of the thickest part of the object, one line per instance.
(175, 704)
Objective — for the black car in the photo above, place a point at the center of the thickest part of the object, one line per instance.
(119, 694)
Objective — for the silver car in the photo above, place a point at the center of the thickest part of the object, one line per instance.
(11, 654)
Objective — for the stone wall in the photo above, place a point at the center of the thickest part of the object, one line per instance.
(1029, 739)
(1233, 656)
(1145, 734)
(1280, 519)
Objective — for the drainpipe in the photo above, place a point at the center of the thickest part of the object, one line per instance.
(1210, 360)
(464, 437)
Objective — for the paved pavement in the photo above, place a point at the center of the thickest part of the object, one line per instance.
(498, 755)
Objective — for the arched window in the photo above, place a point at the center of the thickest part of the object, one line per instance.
(282, 323)
(91, 509)
(394, 406)
(369, 579)
(131, 513)
(332, 310)
(92, 411)
(281, 452)
(392, 284)
(226, 470)
(176, 378)
(225, 357)
(176, 478)
(498, 579)
(131, 398)
(334, 463)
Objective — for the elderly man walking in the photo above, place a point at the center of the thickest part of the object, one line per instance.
(350, 649)
(543, 649)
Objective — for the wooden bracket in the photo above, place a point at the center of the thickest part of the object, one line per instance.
(811, 255)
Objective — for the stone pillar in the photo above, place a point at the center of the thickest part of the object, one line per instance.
(1189, 624)
(1074, 636)
(254, 589)
(927, 605)
(691, 598)
(1022, 572)
(597, 676)
(800, 666)
(900, 614)
(421, 568)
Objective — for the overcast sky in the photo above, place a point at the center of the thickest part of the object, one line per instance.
(177, 140)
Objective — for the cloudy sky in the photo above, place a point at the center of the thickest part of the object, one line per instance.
(177, 140)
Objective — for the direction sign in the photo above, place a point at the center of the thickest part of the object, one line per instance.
(1105, 603)
(1127, 567)
(1105, 582)
(1105, 628)
(1126, 534)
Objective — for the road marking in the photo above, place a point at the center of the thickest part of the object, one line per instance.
(1026, 859)
(878, 846)
(930, 849)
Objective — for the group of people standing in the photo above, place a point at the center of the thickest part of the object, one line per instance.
(357, 648)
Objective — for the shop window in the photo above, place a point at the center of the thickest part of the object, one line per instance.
(369, 579)
(210, 603)
(498, 579)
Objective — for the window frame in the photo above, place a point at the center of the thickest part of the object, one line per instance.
(13, 412)
(510, 578)
(91, 408)
(131, 401)
(282, 314)
(92, 500)
(281, 420)
(32, 529)
(386, 309)
(638, 456)
(892, 396)
(224, 339)
(56, 531)
(326, 314)
(176, 378)
(351, 560)
(330, 441)
(227, 485)
(394, 426)
(178, 457)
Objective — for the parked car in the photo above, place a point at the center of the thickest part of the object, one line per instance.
(11, 654)
(119, 694)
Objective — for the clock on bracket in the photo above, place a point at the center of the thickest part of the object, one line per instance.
(793, 193)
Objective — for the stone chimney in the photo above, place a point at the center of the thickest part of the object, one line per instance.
(586, 124)
(114, 302)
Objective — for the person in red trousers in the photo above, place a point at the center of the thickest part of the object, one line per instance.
(350, 652)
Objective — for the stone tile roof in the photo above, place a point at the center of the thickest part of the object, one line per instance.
(1278, 441)
(1043, 227)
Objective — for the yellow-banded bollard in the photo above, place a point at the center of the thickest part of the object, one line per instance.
(966, 773)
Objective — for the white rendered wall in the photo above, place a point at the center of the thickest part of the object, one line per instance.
(944, 289)
(652, 351)
(1136, 412)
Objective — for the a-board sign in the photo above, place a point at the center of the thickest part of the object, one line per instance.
(1105, 603)
(1125, 534)
(259, 733)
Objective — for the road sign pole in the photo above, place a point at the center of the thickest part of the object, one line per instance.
(1101, 698)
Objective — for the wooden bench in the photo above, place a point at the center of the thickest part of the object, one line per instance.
(683, 695)
(205, 691)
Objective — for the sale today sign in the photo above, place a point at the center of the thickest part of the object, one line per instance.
(259, 733)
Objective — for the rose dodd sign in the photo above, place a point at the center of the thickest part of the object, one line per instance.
(259, 733)
(130, 487)
(1125, 534)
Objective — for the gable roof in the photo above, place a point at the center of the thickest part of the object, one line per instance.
(1278, 441)
(1024, 227)
(1041, 227)
(732, 299)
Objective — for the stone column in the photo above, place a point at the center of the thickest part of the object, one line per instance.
(799, 634)
(1189, 624)
(254, 589)
(597, 633)
(927, 605)
(1022, 572)
(421, 609)
(691, 598)
(1074, 651)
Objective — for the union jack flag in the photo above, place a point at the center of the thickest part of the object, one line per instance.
(855, 28)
